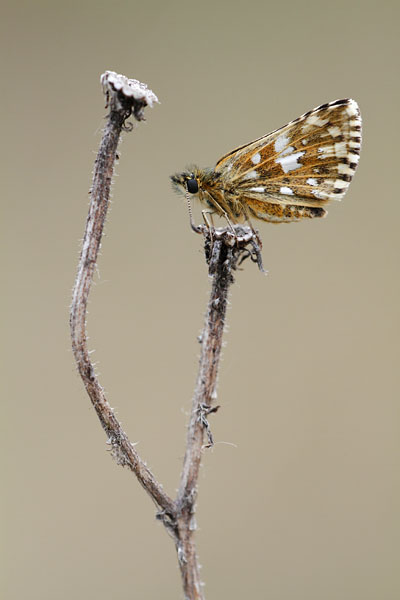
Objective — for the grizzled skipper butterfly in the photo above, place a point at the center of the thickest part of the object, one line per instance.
(284, 176)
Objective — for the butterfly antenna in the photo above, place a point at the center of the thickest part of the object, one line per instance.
(195, 228)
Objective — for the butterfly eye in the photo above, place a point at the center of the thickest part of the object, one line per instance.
(192, 186)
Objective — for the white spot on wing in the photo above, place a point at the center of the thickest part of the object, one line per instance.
(326, 151)
(255, 159)
(334, 131)
(352, 108)
(320, 194)
(315, 120)
(286, 190)
(250, 175)
(340, 149)
(257, 189)
(312, 181)
(339, 183)
(345, 169)
(289, 163)
(281, 142)
(288, 150)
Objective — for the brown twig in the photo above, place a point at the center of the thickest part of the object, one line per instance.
(124, 98)
(224, 251)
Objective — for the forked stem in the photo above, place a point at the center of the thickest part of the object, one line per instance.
(224, 250)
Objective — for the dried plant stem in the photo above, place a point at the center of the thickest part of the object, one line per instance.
(120, 109)
(224, 250)
(222, 261)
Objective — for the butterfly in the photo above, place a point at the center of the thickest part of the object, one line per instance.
(284, 176)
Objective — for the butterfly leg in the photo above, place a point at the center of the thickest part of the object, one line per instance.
(222, 212)
(225, 215)
(208, 218)
(250, 224)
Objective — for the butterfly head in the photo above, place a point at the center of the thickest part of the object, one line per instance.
(186, 182)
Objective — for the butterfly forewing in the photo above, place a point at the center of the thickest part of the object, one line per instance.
(308, 162)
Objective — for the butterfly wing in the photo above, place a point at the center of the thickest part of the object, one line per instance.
(306, 163)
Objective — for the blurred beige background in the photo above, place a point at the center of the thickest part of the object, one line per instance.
(299, 499)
